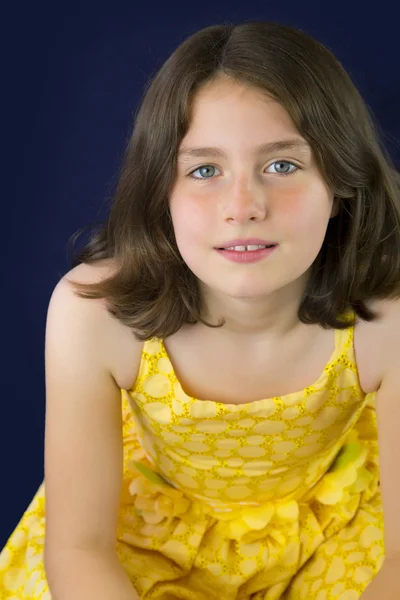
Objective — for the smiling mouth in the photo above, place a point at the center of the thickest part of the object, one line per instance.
(245, 254)
(249, 248)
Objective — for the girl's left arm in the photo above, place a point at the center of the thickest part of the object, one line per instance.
(386, 584)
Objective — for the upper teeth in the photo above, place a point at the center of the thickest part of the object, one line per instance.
(244, 248)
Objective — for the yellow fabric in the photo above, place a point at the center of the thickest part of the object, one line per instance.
(275, 499)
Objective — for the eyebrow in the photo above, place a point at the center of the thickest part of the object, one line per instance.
(276, 146)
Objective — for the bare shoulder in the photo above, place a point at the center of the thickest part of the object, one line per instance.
(122, 350)
(389, 326)
(388, 321)
(376, 341)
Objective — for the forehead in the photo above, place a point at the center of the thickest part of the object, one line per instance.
(228, 114)
(225, 91)
(224, 105)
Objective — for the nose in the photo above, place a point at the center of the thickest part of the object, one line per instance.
(246, 202)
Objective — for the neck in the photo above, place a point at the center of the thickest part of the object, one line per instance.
(265, 317)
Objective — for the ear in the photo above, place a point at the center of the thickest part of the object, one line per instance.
(335, 207)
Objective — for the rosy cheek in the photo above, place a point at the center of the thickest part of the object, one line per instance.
(198, 206)
(291, 204)
(190, 215)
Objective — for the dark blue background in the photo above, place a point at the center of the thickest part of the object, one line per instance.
(72, 77)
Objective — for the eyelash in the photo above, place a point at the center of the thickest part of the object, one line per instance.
(201, 179)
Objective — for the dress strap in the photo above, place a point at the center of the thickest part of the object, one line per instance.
(344, 338)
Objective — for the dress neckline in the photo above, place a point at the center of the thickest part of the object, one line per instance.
(343, 338)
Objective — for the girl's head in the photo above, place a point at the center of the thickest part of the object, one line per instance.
(250, 190)
(332, 203)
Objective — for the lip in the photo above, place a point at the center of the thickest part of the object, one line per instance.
(246, 242)
(250, 256)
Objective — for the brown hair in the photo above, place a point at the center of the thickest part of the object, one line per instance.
(152, 289)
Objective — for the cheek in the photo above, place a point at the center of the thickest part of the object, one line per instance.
(189, 212)
(189, 216)
(303, 210)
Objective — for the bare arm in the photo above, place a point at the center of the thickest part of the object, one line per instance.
(83, 453)
(89, 573)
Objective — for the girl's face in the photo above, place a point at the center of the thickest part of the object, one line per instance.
(276, 195)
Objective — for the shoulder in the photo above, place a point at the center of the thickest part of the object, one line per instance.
(390, 330)
(382, 335)
(371, 342)
(388, 320)
(65, 298)
(119, 349)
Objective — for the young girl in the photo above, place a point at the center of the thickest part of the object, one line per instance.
(242, 300)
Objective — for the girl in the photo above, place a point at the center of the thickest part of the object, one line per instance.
(242, 300)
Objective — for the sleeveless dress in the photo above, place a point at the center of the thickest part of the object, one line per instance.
(275, 499)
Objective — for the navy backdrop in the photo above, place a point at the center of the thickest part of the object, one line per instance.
(72, 78)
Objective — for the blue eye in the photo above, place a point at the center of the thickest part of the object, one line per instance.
(285, 162)
(203, 168)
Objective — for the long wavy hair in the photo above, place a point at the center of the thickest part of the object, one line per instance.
(151, 289)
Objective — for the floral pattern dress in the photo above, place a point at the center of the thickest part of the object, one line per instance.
(270, 500)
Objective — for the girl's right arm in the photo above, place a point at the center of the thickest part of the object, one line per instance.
(83, 452)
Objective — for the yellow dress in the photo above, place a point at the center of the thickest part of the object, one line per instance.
(274, 499)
